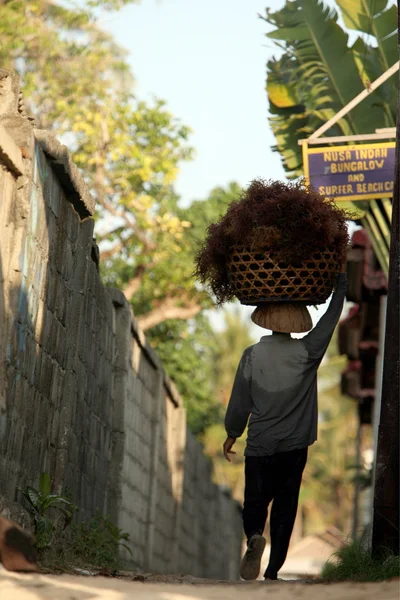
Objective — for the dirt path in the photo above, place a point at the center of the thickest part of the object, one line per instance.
(51, 587)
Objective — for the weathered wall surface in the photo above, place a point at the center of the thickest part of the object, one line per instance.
(82, 395)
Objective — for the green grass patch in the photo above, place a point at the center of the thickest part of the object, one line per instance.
(94, 544)
(354, 563)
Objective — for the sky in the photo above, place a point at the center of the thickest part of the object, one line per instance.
(208, 61)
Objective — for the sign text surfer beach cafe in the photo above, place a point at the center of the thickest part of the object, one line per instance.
(356, 172)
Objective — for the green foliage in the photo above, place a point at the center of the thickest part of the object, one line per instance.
(39, 503)
(93, 544)
(361, 475)
(187, 349)
(110, 4)
(355, 563)
(48, 41)
(378, 19)
(318, 72)
(97, 542)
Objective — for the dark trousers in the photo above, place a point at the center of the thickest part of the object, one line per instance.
(277, 478)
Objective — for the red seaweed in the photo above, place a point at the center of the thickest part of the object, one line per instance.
(291, 219)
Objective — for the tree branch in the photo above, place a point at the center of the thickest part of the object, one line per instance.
(141, 236)
(134, 283)
(109, 253)
(100, 237)
(168, 309)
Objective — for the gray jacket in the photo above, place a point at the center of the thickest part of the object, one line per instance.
(276, 385)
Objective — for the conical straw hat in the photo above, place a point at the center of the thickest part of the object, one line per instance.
(283, 317)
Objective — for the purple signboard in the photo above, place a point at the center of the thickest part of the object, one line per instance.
(360, 172)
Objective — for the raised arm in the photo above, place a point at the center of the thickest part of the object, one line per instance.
(317, 341)
(240, 403)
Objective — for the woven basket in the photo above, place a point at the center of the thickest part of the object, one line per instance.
(261, 277)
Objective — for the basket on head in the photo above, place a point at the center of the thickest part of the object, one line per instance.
(261, 277)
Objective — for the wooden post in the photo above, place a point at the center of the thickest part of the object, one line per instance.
(385, 526)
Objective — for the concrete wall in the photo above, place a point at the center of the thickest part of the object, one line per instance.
(82, 395)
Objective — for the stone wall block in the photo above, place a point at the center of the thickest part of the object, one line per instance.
(74, 315)
(48, 377)
(92, 322)
(55, 201)
(50, 294)
(52, 345)
(81, 253)
(17, 393)
(72, 224)
(52, 191)
(20, 130)
(15, 262)
(77, 283)
(42, 175)
(57, 386)
(61, 300)
(44, 414)
(67, 401)
(42, 381)
(30, 358)
(91, 355)
(50, 237)
(88, 306)
(44, 179)
(45, 337)
(68, 262)
(65, 209)
(60, 352)
(39, 322)
(85, 237)
(54, 233)
(82, 382)
(44, 230)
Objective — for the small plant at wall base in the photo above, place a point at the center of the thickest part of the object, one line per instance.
(39, 503)
(93, 543)
(354, 562)
(97, 542)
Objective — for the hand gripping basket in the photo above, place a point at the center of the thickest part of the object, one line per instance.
(261, 277)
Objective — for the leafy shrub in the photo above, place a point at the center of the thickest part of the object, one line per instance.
(290, 219)
(40, 502)
(94, 543)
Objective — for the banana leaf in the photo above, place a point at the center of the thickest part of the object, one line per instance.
(319, 73)
(377, 18)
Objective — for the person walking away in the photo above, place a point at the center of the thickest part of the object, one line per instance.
(276, 385)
